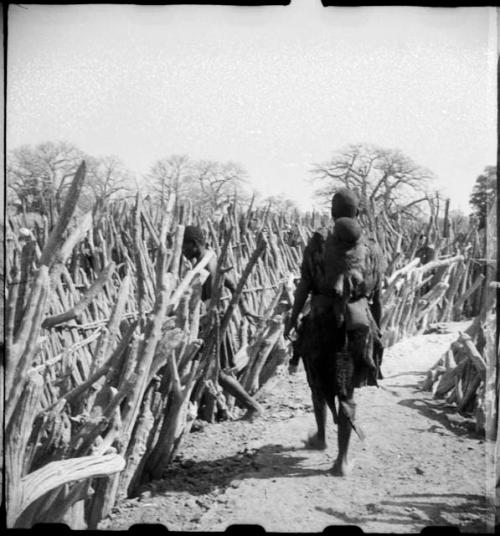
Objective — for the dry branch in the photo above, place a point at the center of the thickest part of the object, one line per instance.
(56, 474)
(51, 250)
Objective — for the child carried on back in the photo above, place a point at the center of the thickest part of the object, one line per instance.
(346, 276)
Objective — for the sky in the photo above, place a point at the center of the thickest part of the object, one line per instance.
(273, 88)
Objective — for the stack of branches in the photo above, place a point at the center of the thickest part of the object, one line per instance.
(461, 375)
(400, 242)
(265, 258)
(29, 486)
(416, 296)
(106, 365)
(450, 288)
(466, 375)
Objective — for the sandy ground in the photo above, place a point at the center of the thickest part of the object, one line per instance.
(420, 465)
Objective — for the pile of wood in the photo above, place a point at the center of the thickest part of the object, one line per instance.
(462, 373)
(459, 377)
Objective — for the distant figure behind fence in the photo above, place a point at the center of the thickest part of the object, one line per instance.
(194, 248)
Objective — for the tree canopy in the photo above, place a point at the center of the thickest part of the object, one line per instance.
(389, 183)
(209, 185)
(38, 177)
(483, 194)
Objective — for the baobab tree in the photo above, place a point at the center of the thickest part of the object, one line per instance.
(218, 183)
(37, 177)
(107, 179)
(208, 185)
(280, 203)
(170, 177)
(395, 193)
(391, 186)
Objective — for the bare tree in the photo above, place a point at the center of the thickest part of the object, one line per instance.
(169, 177)
(218, 183)
(107, 179)
(280, 203)
(390, 185)
(39, 176)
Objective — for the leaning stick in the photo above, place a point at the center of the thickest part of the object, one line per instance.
(470, 291)
(83, 225)
(474, 354)
(26, 341)
(96, 288)
(439, 264)
(261, 246)
(55, 239)
(68, 351)
(174, 300)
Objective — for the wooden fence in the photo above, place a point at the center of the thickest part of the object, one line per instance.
(109, 358)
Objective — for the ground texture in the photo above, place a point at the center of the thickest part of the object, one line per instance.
(420, 465)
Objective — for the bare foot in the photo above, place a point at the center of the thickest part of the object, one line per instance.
(252, 414)
(342, 467)
(314, 443)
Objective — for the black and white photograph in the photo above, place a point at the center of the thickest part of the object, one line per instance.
(250, 267)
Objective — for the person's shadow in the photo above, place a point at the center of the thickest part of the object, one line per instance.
(205, 476)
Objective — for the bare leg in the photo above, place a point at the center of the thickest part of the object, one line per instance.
(318, 440)
(342, 465)
(314, 374)
(233, 387)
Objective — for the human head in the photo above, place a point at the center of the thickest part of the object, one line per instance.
(25, 234)
(347, 231)
(193, 242)
(345, 204)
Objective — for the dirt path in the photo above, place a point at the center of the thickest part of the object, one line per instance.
(420, 465)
